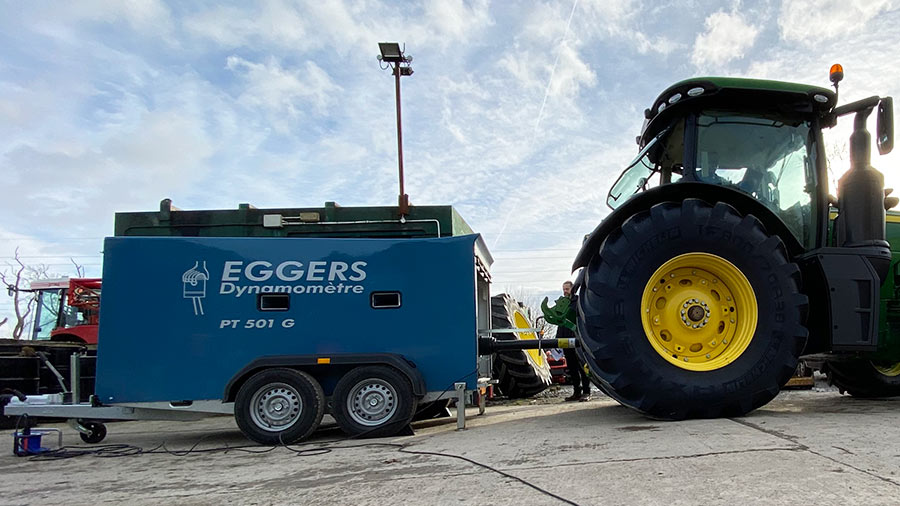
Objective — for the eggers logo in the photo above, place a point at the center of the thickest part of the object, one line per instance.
(260, 276)
(194, 280)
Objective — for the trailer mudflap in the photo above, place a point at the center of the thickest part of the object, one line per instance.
(844, 281)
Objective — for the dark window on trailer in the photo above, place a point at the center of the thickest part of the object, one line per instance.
(385, 300)
(273, 302)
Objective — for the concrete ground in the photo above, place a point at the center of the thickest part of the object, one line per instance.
(806, 447)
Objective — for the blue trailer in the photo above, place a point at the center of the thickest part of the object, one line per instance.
(280, 331)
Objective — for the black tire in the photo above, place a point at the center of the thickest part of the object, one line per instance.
(97, 432)
(610, 321)
(519, 373)
(261, 401)
(860, 378)
(373, 401)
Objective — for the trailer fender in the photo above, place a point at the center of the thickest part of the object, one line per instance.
(676, 193)
(322, 363)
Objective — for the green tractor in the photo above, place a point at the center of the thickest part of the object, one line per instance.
(725, 259)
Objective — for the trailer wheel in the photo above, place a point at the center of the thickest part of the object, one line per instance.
(97, 432)
(691, 310)
(279, 406)
(520, 373)
(373, 401)
(865, 379)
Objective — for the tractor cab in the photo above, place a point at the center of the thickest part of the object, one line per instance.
(761, 138)
(66, 309)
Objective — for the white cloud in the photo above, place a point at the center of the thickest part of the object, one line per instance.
(812, 22)
(449, 21)
(285, 93)
(276, 21)
(572, 73)
(728, 37)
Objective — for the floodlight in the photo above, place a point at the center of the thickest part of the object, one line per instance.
(390, 52)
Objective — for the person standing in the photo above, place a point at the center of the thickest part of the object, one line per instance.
(579, 377)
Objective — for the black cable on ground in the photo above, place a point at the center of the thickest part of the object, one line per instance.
(402, 448)
(320, 448)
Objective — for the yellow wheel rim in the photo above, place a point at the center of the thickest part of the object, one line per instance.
(699, 311)
(891, 370)
(522, 323)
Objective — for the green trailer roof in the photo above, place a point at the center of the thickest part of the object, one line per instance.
(332, 220)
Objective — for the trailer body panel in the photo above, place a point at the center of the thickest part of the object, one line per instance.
(218, 304)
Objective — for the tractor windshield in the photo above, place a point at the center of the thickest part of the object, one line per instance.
(46, 313)
(772, 159)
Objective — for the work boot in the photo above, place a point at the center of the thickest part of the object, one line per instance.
(574, 397)
(585, 396)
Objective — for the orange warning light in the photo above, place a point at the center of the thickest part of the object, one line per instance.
(836, 73)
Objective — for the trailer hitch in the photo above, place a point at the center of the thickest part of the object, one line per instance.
(488, 345)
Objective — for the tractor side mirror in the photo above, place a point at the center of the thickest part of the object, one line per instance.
(885, 128)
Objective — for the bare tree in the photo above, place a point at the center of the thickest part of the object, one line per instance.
(16, 276)
(79, 269)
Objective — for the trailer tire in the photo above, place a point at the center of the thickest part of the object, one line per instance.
(279, 406)
(865, 379)
(373, 401)
(692, 310)
(96, 434)
(520, 373)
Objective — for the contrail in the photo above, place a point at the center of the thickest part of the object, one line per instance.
(540, 115)
(553, 70)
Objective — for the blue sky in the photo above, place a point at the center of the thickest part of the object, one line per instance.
(520, 114)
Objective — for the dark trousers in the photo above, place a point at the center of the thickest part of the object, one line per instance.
(576, 372)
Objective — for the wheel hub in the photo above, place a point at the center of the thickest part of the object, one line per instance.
(372, 402)
(276, 407)
(696, 313)
(699, 311)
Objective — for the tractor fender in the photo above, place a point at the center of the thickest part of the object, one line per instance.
(677, 192)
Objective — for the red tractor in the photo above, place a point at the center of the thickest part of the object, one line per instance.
(67, 310)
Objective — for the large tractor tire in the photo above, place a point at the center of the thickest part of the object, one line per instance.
(692, 310)
(521, 373)
(865, 379)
